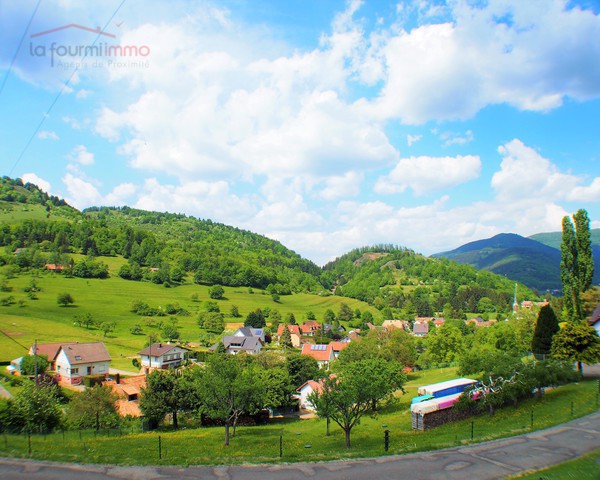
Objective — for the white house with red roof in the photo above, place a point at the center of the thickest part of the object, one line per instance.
(76, 360)
(323, 354)
(310, 328)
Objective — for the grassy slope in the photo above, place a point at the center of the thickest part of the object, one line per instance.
(261, 444)
(110, 300)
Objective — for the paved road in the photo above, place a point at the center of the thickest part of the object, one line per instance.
(489, 460)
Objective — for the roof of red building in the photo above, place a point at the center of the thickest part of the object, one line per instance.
(294, 329)
(320, 352)
(337, 346)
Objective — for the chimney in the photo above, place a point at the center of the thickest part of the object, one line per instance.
(160, 345)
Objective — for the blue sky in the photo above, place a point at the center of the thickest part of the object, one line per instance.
(326, 125)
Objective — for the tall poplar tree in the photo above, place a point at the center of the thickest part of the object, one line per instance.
(577, 263)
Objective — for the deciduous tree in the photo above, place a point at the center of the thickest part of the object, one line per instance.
(577, 342)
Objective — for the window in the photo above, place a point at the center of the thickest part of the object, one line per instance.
(74, 371)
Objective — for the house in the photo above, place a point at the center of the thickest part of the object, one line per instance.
(305, 390)
(420, 329)
(129, 391)
(294, 332)
(438, 322)
(379, 328)
(162, 356)
(353, 334)
(52, 267)
(236, 344)
(323, 354)
(49, 350)
(250, 332)
(480, 322)
(396, 325)
(329, 327)
(310, 328)
(337, 347)
(76, 360)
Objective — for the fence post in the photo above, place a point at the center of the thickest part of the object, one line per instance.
(532, 420)
(159, 448)
(571, 408)
(472, 429)
(29, 442)
(280, 446)
(386, 440)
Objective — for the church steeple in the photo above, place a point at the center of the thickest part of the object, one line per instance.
(515, 303)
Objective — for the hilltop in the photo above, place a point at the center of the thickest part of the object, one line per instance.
(534, 261)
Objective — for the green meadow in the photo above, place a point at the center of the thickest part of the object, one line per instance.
(110, 300)
(305, 440)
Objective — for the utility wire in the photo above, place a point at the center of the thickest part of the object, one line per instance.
(64, 87)
(12, 62)
(9, 337)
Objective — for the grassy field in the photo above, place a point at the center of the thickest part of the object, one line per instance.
(305, 440)
(111, 299)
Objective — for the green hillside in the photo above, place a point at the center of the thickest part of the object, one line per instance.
(408, 283)
(110, 300)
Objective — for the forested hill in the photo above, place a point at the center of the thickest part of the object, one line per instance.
(159, 247)
(164, 248)
(397, 278)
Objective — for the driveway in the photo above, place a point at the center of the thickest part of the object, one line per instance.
(484, 461)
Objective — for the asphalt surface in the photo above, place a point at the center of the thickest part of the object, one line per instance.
(488, 460)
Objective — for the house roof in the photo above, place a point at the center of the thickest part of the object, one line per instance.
(337, 346)
(125, 388)
(49, 349)
(242, 343)
(294, 329)
(312, 384)
(250, 331)
(310, 326)
(421, 328)
(595, 318)
(391, 324)
(85, 352)
(320, 352)
(158, 349)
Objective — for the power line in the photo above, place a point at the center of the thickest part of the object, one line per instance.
(64, 87)
(19, 47)
(9, 337)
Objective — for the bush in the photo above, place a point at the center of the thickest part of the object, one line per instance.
(90, 380)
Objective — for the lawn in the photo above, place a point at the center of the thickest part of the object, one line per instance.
(305, 440)
(110, 300)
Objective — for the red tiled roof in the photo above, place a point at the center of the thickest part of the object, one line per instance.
(294, 329)
(337, 346)
(321, 353)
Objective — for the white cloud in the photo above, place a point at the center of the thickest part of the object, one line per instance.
(40, 182)
(589, 193)
(81, 193)
(429, 174)
(453, 138)
(47, 135)
(524, 173)
(81, 155)
(412, 139)
(347, 185)
(453, 65)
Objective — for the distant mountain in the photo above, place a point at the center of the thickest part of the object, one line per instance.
(534, 261)
(516, 257)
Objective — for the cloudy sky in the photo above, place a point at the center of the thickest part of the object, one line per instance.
(327, 125)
